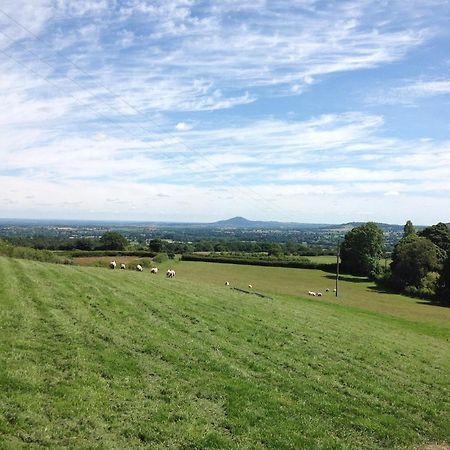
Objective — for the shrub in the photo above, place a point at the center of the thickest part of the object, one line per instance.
(160, 258)
(31, 253)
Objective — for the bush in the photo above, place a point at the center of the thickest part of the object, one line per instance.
(31, 254)
(160, 258)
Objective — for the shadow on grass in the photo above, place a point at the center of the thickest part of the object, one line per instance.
(419, 301)
(349, 279)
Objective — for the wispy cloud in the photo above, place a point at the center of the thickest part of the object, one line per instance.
(191, 56)
(408, 92)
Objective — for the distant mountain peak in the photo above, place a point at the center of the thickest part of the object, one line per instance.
(235, 222)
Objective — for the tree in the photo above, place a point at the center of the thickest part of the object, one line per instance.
(439, 234)
(362, 249)
(156, 245)
(111, 240)
(413, 259)
(408, 229)
(85, 244)
(443, 291)
(275, 250)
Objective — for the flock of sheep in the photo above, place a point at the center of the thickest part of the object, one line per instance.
(169, 274)
(319, 294)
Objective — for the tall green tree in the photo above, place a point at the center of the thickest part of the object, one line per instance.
(439, 234)
(443, 291)
(413, 260)
(362, 250)
(112, 240)
(408, 229)
(156, 245)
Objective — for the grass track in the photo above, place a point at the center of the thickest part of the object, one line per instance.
(93, 358)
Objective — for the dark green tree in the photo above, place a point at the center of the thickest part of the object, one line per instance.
(443, 291)
(408, 229)
(362, 250)
(415, 257)
(112, 240)
(156, 245)
(275, 250)
(439, 234)
(85, 244)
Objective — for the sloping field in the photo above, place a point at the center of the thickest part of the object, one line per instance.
(353, 291)
(94, 358)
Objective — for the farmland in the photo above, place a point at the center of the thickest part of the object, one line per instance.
(94, 358)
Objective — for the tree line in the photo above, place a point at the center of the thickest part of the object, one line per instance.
(113, 240)
(420, 260)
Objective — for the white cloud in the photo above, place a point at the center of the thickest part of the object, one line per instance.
(183, 126)
(409, 92)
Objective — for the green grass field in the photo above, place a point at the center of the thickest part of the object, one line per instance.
(94, 358)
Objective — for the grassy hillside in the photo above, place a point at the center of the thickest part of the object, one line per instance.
(93, 358)
(354, 291)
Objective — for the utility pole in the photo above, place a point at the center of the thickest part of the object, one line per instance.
(338, 254)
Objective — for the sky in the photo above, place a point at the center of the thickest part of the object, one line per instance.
(181, 110)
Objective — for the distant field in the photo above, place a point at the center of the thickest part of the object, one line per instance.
(96, 358)
(323, 259)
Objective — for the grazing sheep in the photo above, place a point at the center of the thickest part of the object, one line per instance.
(250, 286)
(319, 294)
(154, 270)
(227, 283)
(327, 290)
(139, 268)
(313, 294)
(334, 290)
(170, 273)
(310, 292)
(113, 264)
(122, 266)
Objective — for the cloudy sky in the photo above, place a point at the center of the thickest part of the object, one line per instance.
(299, 110)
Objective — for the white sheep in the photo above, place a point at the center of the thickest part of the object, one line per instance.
(139, 268)
(113, 264)
(122, 266)
(327, 290)
(250, 286)
(334, 290)
(154, 270)
(170, 273)
(319, 294)
(227, 283)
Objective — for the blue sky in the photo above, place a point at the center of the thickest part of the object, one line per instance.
(300, 110)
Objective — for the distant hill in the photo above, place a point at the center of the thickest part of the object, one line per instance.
(242, 222)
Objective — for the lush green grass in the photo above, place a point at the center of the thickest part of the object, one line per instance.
(353, 291)
(94, 358)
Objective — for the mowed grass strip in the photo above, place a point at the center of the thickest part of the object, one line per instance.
(94, 358)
